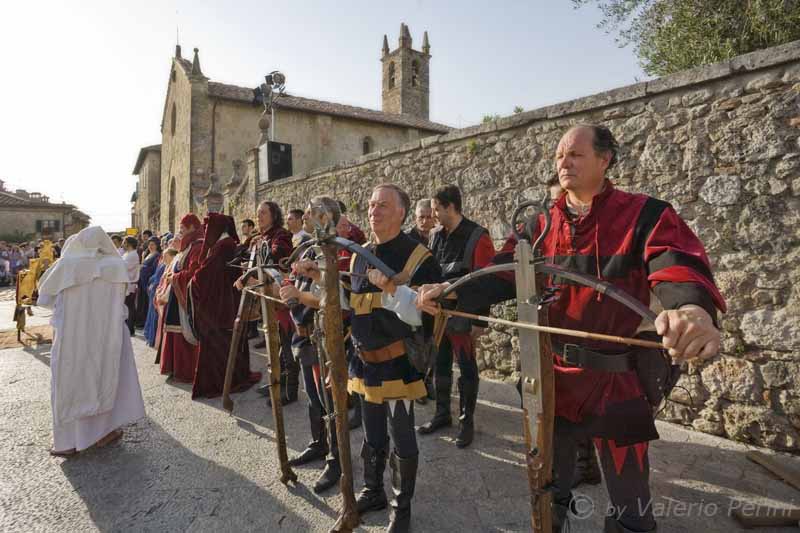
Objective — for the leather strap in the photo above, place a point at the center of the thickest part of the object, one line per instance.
(382, 355)
(578, 356)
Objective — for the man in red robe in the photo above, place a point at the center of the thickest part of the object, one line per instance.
(605, 391)
(215, 303)
(180, 350)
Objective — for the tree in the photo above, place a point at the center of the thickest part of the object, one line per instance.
(673, 35)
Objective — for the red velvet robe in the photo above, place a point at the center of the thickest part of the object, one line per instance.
(179, 357)
(637, 243)
(215, 302)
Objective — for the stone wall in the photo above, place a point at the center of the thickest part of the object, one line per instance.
(175, 149)
(721, 144)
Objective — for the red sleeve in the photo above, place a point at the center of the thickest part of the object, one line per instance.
(180, 281)
(212, 288)
(673, 253)
(281, 245)
(484, 252)
(356, 235)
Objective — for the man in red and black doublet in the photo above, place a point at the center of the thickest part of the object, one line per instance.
(277, 241)
(639, 244)
(215, 303)
(460, 246)
(180, 348)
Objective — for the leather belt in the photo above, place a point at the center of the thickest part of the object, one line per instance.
(578, 356)
(382, 355)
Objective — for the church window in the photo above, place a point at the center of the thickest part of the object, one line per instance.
(391, 75)
(414, 73)
(173, 117)
(367, 145)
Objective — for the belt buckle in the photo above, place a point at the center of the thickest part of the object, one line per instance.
(571, 359)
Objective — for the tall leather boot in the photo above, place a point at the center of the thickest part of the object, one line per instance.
(318, 447)
(291, 378)
(354, 421)
(468, 398)
(442, 417)
(404, 479)
(372, 497)
(332, 471)
(614, 526)
(586, 468)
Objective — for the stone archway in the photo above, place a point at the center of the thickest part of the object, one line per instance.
(171, 213)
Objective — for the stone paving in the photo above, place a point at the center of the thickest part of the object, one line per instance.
(189, 466)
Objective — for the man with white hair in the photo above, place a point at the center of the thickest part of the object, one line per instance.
(423, 222)
(95, 388)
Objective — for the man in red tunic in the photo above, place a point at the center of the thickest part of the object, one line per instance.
(179, 356)
(215, 303)
(639, 244)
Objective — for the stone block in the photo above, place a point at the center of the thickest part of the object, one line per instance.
(721, 190)
(775, 329)
(734, 379)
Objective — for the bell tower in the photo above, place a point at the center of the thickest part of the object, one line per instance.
(406, 76)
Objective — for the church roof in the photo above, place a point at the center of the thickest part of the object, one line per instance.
(142, 154)
(247, 95)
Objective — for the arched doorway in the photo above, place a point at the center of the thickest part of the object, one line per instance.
(172, 206)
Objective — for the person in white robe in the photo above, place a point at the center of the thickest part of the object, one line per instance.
(95, 387)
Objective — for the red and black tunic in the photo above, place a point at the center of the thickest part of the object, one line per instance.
(639, 244)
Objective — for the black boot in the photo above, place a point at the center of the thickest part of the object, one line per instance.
(614, 526)
(330, 474)
(560, 520)
(442, 417)
(586, 468)
(354, 422)
(318, 447)
(468, 397)
(404, 478)
(291, 379)
(372, 497)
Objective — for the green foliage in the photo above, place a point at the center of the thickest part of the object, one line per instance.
(472, 146)
(673, 35)
(16, 237)
(490, 118)
(518, 109)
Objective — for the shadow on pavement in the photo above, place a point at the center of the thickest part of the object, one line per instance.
(150, 482)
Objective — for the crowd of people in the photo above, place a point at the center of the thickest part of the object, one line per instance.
(16, 256)
(184, 292)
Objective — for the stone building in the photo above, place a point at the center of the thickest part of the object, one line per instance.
(146, 214)
(209, 129)
(25, 216)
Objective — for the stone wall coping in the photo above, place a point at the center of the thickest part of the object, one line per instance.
(754, 61)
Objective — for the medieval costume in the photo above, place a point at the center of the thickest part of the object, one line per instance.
(95, 387)
(215, 302)
(323, 441)
(468, 247)
(149, 266)
(180, 349)
(274, 244)
(639, 244)
(131, 258)
(383, 375)
(151, 323)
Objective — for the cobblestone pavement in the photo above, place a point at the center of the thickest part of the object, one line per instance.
(188, 466)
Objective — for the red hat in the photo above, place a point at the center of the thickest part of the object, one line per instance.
(190, 219)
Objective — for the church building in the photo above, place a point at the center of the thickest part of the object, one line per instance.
(209, 128)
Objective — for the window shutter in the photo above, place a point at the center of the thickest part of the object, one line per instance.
(56, 225)
(38, 226)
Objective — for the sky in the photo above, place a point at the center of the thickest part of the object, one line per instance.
(82, 83)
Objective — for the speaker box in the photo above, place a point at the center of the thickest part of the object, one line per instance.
(278, 159)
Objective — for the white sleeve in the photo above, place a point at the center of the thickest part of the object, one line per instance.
(404, 304)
